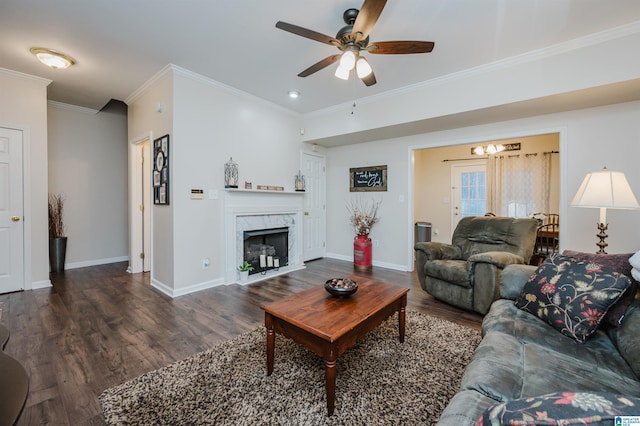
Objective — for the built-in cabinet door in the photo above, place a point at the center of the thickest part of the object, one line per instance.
(11, 211)
(314, 170)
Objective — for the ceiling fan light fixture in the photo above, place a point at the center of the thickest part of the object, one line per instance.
(348, 60)
(363, 68)
(342, 73)
(52, 59)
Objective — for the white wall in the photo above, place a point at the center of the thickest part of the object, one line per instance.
(590, 139)
(150, 111)
(211, 123)
(88, 165)
(23, 105)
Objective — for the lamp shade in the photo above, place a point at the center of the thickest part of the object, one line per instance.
(605, 189)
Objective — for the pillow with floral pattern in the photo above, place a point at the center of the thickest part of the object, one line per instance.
(562, 408)
(572, 295)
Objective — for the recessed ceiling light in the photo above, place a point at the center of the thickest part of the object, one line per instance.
(293, 94)
(52, 59)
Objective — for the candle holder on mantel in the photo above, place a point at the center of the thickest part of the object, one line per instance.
(299, 182)
(231, 174)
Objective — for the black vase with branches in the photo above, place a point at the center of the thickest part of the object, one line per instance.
(57, 239)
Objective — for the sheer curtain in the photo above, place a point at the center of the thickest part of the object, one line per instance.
(518, 185)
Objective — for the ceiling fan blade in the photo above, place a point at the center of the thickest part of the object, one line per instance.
(400, 47)
(369, 80)
(304, 32)
(319, 65)
(367, 18)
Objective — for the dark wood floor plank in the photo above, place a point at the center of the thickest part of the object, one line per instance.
(99, 327)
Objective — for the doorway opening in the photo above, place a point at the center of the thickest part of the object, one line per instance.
(436, 194)
(140, 207)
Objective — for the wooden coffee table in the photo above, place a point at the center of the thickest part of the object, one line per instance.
(328, 325)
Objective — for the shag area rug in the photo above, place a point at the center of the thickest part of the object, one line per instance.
(380, 381)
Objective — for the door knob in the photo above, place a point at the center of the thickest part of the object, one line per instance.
(15, 218)
(306, 213)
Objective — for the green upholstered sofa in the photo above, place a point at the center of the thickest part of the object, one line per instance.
(522, 359)
(466, 273)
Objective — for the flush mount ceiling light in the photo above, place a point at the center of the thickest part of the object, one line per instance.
(294, 94)
(52, 59)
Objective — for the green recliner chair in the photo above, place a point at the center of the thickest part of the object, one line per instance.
(466, 273)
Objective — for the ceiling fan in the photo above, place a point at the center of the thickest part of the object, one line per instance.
(352, 39)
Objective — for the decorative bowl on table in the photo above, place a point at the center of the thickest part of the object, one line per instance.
(341, 287)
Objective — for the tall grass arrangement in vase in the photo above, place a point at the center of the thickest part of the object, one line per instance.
(56, 220)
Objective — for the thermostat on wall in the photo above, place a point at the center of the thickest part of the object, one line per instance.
(197, 194)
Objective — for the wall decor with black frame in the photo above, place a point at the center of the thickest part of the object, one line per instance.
(363, 179)
(161, 170)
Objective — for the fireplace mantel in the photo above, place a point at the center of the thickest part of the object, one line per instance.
(245, 209)
(262, 191)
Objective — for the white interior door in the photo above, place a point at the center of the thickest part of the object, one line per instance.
(140, 207)
(468, 191)
(314, 223)
(146, 207)
(11, 211)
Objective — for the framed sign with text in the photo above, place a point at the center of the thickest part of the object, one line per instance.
(372, 178)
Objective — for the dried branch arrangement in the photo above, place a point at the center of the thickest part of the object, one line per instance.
(56, 210)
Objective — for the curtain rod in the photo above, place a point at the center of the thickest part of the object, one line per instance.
(446, 160)
(463, 159)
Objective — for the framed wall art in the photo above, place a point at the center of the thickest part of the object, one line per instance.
(372, 178)
(161, 170)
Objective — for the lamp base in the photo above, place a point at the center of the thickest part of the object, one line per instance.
(602, 235)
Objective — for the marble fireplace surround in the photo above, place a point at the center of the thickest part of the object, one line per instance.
(247, 210)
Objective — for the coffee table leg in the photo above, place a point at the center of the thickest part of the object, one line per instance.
(271, 341)
(401, 317)
(330, 382)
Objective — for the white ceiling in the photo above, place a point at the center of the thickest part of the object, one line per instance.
(120, 44)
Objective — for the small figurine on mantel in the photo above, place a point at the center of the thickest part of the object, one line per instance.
(300, 181)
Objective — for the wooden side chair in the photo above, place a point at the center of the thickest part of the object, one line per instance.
(547, 239)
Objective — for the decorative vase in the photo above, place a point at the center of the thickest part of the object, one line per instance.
(362, 252)
(244, 276)
(57, 253)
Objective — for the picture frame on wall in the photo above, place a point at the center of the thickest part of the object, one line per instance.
(365, 179)
(161, 170)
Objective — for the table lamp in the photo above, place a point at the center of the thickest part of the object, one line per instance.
(605, 190)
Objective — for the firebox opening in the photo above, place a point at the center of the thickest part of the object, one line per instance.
(266, 249)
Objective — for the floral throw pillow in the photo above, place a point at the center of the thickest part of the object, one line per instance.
(562, 408)
(572, 296)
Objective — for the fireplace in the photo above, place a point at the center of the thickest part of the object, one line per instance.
(258, 210)
(266, 249)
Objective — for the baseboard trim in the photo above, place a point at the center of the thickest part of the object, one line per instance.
(386, 265)
(95, 262)
(41, 284)
(173, 293)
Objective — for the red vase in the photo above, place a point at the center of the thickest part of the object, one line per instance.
(362, 252)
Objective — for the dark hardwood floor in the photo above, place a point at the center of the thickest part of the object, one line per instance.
(99, 326)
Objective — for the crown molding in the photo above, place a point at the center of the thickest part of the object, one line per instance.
(534, 55)
(72, 108)
(177, 70)
(23, 76)
(136, 94)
